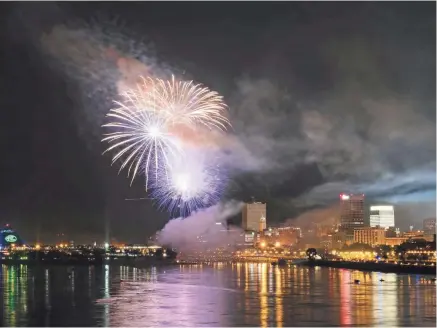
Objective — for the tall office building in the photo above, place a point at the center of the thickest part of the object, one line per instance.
(351, 212)
(382, 216)
(253, 214)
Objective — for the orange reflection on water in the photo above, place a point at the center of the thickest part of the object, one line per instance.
(263, 282)
(345, 298)
(246, 278)
(246, 290)
(279, 309)
(430, 311)
(361, 298)
(238, 268)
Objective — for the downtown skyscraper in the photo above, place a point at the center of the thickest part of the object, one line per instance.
(351, 212)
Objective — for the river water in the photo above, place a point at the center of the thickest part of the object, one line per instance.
(212, 295)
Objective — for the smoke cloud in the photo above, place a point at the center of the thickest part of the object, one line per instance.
(392, 145)
(326, 216)
(204, 229)
(359, 110)
(103, 63)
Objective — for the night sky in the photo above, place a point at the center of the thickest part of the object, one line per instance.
(323, 98)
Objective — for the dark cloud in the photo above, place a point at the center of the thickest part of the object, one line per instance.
(354, 105)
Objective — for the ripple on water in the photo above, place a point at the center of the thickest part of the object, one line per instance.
(239, 295)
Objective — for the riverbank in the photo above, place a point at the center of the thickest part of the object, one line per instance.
(372, 266)
(140, 261)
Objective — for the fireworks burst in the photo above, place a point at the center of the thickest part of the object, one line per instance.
(148, 123)
(141, 138)
(193, 181)
(184, 103)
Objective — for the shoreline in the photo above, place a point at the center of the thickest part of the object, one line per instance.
(135, 262)
(375, 267)
(361, 266)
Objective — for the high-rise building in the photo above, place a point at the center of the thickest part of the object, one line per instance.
(253, 214)
(429, 226)
(369, 236)
(351, 212)
(382, 216)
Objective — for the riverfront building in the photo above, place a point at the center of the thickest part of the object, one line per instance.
(370, 236)
(395, 241)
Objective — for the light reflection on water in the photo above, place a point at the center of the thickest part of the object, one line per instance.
(212, 295)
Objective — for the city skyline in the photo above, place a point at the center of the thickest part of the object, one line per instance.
(320, 218)
(370, 217)
(314, 111)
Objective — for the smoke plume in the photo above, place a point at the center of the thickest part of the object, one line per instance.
(204, 229)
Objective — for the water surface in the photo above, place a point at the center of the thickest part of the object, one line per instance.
(212, 295)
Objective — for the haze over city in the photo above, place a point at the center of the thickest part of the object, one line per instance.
(323, 99)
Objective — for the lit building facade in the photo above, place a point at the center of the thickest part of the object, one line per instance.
(284, 236)
(289, 235)
(370, 236)
(429, 226)
(252, 215)
(419, 234)
(351, 212)
(262, 224)
(382, 216)
(395, 241)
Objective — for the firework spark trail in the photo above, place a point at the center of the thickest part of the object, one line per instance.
(140, 137)
(184, 103)
(150, 123)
